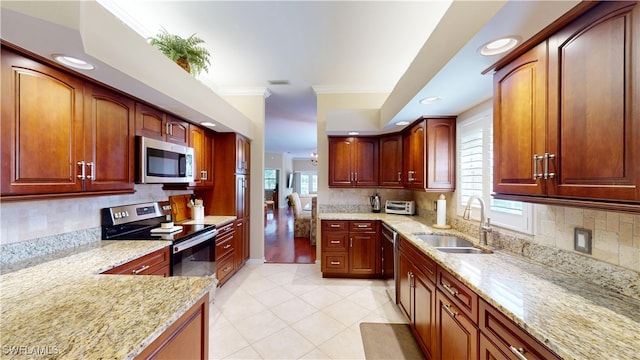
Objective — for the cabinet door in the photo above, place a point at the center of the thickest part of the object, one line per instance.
(404, 285)
(42, 134)
(488, 351)
(365, 158)
(457, 336)
(423, 312)
(519, 125)
(177, 131)
(594, 122)
(441, 151)
(241, 187)
(241, 229)
(364, 253)
(390, 164)
(242, 154)
(109, 140)
(201, 142)
(415, 160)
(150, 122)
(341, 167)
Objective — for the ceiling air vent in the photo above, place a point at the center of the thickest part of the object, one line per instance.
(278, 82)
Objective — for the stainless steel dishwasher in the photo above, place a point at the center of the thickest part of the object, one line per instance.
(390, 260)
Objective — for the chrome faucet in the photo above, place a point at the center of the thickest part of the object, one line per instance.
(485, 223)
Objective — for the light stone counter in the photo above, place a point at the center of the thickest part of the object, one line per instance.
(64, 308)
(573, 317)
(216, 220)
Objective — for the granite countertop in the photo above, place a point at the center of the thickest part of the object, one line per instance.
(573, 317)
(217, 220)
(66, 309)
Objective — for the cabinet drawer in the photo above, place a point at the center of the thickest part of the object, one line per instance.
(145, 265)
(225, 231)
(224, 247)
(335, 263)
(458, 293)
(363, 225)
(509, 337)
(335, 225)
(423, 262)
(224, 269)
(335, 241)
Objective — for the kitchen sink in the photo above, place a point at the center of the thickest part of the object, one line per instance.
(462, 250)
(450, 244)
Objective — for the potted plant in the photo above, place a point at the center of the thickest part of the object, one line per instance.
(185, 52)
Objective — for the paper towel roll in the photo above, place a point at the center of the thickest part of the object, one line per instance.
(441, 212)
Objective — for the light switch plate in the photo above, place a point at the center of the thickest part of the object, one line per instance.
(582, 240)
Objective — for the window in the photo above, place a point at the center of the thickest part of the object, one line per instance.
(308, 183)
(475, 146)
(270, 179)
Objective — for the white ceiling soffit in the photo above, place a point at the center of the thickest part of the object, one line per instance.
(86, 30)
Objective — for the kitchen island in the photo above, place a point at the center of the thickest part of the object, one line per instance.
(574, 318)
(66, 309)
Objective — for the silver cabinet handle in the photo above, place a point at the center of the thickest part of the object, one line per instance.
(410, 177)
(335, 241)
(166, 128)
(82, 173)
(350, 242)
(92, 171)
(450, 289)
(136, 272)
(170, 129)
(518, 352)
(335, 225)
(536, 158)
(547, 174)
(227, 246)
(399, 176)
(356, 177)
(335, 263)
(363, 225)
(447, 307)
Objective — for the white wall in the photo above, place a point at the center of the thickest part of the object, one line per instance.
(283, 163)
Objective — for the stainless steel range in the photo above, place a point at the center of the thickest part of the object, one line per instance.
(193, 246)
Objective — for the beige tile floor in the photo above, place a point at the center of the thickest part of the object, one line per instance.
(288, 311)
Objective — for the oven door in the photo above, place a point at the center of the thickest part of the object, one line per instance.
(195, 256)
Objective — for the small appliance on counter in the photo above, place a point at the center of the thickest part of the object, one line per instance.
(400, 207)
(375, 203)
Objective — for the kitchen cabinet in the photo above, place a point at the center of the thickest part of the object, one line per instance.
(186, 338)
(589, 148)
(201, 140)
(417, 293)
(457, 336)
(153, 123)
(350, 248)
(230, 193)
(506, 339)
(62, 135)
(390, 161)
(225, 252)
(155, 263)
(429, 154)
(353, 161)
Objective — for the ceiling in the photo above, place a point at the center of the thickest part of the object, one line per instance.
(342, 46)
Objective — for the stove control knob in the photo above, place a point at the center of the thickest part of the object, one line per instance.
(116, 215)
(126, 213)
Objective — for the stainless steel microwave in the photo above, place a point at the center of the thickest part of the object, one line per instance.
(163, 162)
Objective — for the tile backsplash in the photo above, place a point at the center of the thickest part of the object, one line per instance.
(28, 220)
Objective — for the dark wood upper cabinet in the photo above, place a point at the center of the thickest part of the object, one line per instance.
(353, 161)
(566, 114)
(61, 134)
(390, 161)
(414, 156)
(154, 123)
(201, 140)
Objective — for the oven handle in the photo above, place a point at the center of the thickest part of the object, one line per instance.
(196, 240)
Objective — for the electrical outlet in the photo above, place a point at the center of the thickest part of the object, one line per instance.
(582, 240)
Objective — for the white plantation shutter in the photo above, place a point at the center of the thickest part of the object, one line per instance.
(475, 148)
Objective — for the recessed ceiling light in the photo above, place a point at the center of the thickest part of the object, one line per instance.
(430, 100)
(72, 62)
(207, 123)
(402, 123)
(499, 46)
(353, 133)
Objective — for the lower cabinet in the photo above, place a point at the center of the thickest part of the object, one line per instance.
(226, 243)
(155, 263)
(350, 248)
(450, 321)
(187, 338)
(416, 298)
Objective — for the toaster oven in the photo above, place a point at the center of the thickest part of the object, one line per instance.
(400, 207)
